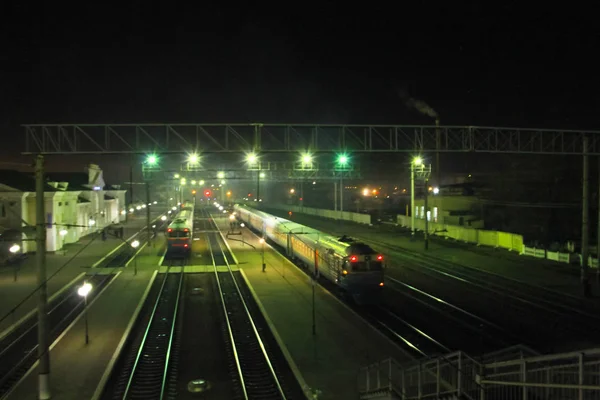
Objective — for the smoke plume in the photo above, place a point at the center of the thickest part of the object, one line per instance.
(418, 105)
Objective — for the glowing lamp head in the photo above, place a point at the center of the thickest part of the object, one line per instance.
(261, 240)
(353, 259)
(418, 161)
(193, 158)
(163, 218)
(251, 158)
(152, 159)
(84, 289)
(380, 258)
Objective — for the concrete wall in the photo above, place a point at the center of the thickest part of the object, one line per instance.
(506, 240)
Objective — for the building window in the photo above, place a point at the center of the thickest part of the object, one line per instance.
(422, 211)
(428, 215)
(66, 203)
(435, 214)
(60, 203)
(417, 211)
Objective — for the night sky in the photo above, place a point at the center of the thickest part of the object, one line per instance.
(508, 65)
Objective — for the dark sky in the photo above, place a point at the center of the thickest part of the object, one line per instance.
(293, 62)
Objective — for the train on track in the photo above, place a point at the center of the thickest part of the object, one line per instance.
(180, 231)
(354, 268)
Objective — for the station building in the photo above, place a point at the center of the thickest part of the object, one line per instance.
(76, 204)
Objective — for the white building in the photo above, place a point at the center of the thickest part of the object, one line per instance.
(75, 205)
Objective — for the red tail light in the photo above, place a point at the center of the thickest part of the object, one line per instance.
(353, 258)
(186, 229)
(185, 245)
(169, 230)
(380, 258)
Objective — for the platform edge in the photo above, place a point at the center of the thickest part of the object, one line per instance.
(67, 329)
(117, 353)
(280, 342)
(31, 313)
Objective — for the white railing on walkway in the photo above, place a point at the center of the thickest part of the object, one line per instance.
(559, 376)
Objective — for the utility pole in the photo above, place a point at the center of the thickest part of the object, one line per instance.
(302, 195)
(342, 196)
(258, 184)
(598, 230)
(585, 239)
(335, 203)
(412, 199)
(426, 233)
(40, 254)
(148, 213)
(438, 145)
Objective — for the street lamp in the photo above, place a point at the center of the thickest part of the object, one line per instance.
(14, 248)
(193, 159)
(416, 162)
(163, 218)
(306, 159)
(262, 242)
(251, 158)
(83, 291)
(201, 182)
(342, 162)
(135, 244)
(221, 175)
(152, 159)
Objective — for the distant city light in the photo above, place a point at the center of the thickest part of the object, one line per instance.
(221, 175)
(436, 190)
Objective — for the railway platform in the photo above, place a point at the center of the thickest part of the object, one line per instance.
(77, 368)
(329, 359)
(551, 275)
(17, 283)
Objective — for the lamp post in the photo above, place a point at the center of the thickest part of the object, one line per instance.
(342, 162)
(135, 244)
(83, 291)
(63, 233)
(262, 242)
(14, 249)
(417, 161)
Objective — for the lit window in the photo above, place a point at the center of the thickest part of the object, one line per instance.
(416, 211)
(422, 211)
(428, 215)
(435, 214)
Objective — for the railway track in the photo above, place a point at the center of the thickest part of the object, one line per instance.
(18, 350)
(257, 376)
(146, 371)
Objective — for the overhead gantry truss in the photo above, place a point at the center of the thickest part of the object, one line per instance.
(286, 138)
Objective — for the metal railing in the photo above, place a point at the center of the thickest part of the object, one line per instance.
(561, 376)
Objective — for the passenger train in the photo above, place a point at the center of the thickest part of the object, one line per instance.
(355, 268)
(180, 231)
